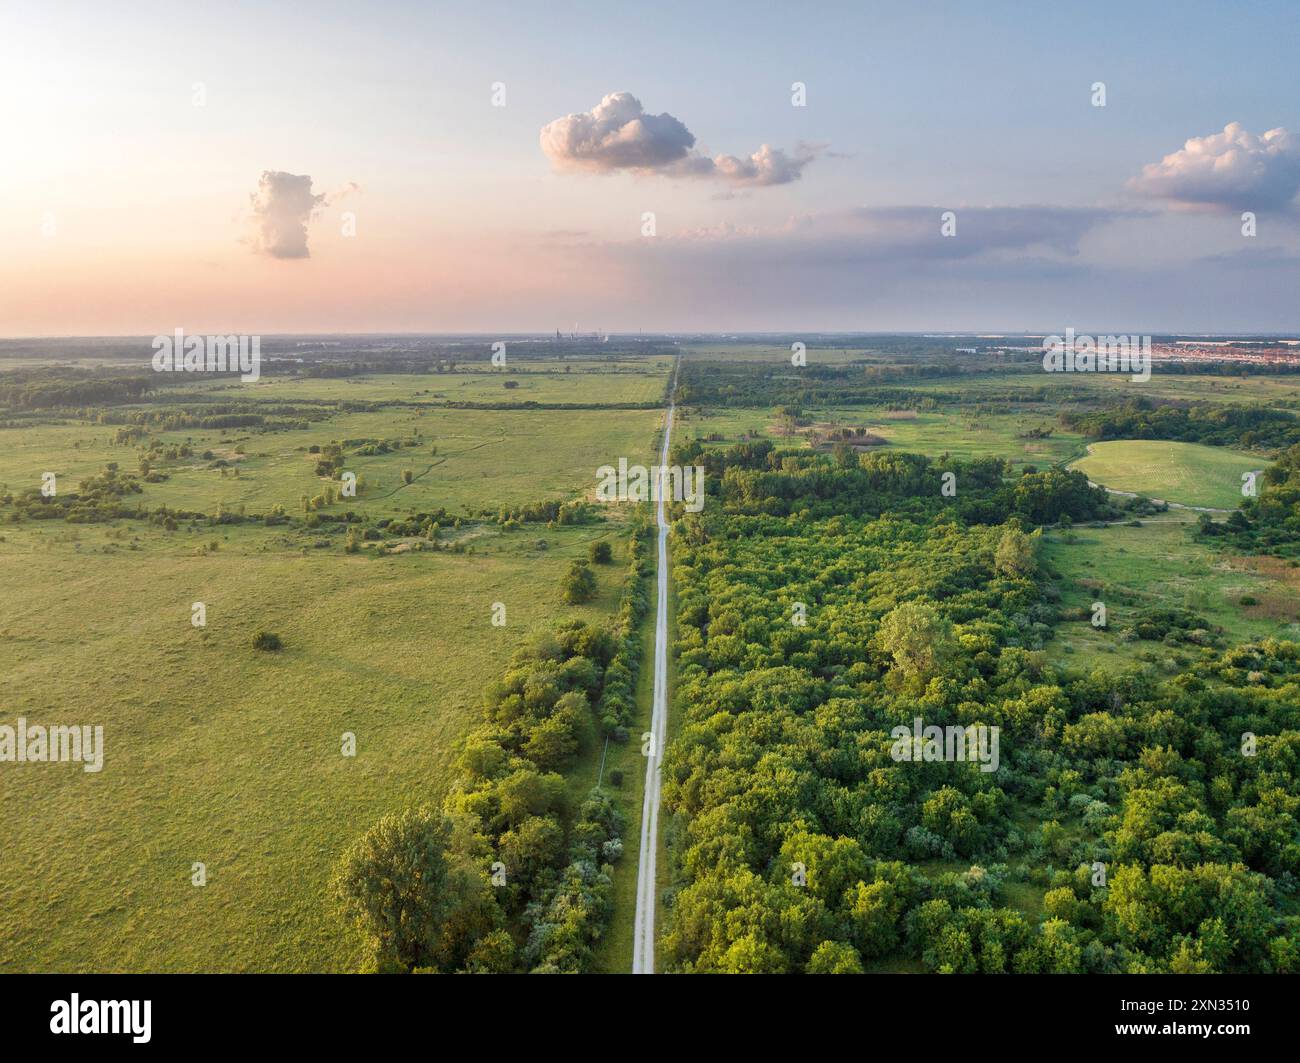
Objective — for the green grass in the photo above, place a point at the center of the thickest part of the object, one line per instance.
(1159, 565)
(1026, 898)
(484, 458)
(221, 754)
(963, 433)
(767, 353)
(1187, 473)
(217, 753)
(543, 382)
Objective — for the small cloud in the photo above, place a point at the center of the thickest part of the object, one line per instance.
(766, 166)
(618, 135)
(282, 207)
(1232, 170)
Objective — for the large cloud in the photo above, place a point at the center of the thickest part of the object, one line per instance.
(282, 206)
(617, 135)
(1230, 170)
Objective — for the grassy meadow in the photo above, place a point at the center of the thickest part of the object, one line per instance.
(1159, 565)
(1187, 473)
(963, 433)
(543, 382)
(217, 753)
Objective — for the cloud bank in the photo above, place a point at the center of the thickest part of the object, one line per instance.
(1232, 170)
(617, 135)
(282, 206)
(896, 236)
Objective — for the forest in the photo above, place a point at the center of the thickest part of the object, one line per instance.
(1135, 823)
(1227, 426)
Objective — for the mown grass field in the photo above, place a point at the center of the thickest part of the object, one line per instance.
(1187, 473)
(218, 753)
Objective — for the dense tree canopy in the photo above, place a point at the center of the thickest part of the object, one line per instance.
(1124, 803)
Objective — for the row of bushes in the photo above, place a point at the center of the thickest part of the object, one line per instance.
(507, 876)
(618, 697)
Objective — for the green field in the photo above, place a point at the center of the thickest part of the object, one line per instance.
(221, 754)
(768, 353)
(963, 433)
(462, 458)
(217, 753)
(1187, 473)
(1160, 565)
(578, 382)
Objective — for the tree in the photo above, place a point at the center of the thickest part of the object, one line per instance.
(391, 884)
(1015, 554)
(494, 953)
(555, 740)
(834, 957)
(534, 844)
(601, 553)
(579, 583)
(919, 639)
(875, 911)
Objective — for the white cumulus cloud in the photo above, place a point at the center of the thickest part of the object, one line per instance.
(282, 207)
(1234, 169)
(618, 135)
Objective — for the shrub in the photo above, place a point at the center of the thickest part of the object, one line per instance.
(579, 583)
(601, 553)
(267, 640)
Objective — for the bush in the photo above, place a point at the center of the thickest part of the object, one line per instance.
(601, 553)
(579, 583)
(267, 640)
(616, 779)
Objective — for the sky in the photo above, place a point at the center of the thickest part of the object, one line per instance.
(522, 167)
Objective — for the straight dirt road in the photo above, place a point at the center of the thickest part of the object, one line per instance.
(643, 945)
